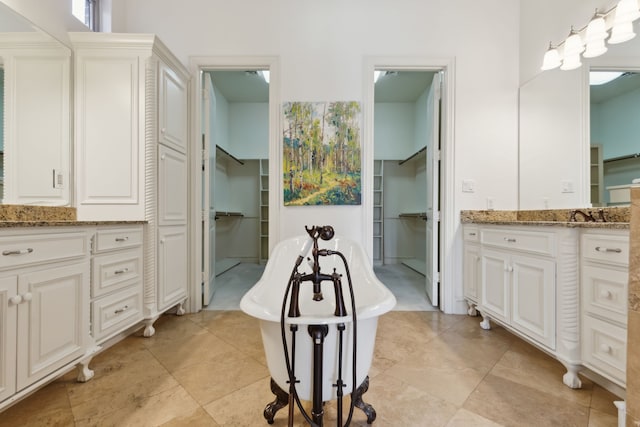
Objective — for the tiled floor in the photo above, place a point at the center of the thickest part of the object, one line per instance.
(429, 369)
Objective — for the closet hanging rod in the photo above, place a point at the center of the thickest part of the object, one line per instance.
(231, 156)
(628, 156)
(416, 154)
(227, 214)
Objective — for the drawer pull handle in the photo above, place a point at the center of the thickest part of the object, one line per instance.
(605, 294)
(509, 239)
(124, 270)
(17, 252)
(121, 310)
(601, 249)
(472, 234)
(605, 348)
(122, 239)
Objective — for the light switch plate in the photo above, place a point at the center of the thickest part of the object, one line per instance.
(468, 186)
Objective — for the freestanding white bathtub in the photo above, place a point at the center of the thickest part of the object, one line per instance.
(264, 301)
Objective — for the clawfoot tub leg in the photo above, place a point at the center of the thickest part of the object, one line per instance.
(358, 402)
(282, 399)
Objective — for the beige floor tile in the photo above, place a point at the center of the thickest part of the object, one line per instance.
(198, 418)
(513, 404)
(238, 330)
(170, 327)
(191, 350)
(155, 410)
(602, 419)
(602, 400)
(529, 366)
(112, 373)
(464, 418)
(219, 376)
(104, 401)
(48, 407)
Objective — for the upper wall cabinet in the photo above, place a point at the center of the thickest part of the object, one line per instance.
(36, 134)
(130, 95)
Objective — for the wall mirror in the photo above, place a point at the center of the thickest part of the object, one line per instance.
(35, 146)
(562, 116)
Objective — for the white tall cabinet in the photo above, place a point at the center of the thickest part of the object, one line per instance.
(131, 135)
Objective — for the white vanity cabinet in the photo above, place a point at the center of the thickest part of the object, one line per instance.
(44, 306)
(518, 281)
(526, 279)
(604, 264)
(116, 280)
(131, 122)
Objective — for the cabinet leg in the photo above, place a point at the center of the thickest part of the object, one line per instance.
(180, 309)
(472, 309)
(84, 373)
(486, 322)
(571, 378)
(149, 330)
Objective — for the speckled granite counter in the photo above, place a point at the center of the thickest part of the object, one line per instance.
(47, 216)
(617, 218)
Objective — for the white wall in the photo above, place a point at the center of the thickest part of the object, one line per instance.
(394, 129)
(321, 49)
(249, 130)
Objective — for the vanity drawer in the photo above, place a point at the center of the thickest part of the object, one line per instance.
(22, 250)
(606, 248)
(604, 348)
(118, 238)
(605, 292)
(115, 271)
(471, 234)
(116, 312)
(536, 242)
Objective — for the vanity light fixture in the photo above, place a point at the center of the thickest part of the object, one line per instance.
(551, 58)
(619, 19)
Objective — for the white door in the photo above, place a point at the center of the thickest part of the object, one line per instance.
(208, 210)
(433, 193)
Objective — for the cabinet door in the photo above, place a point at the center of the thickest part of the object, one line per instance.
(109, 153)
(51, 320)
(495, 284)
(533, 298)
(173, 109)
(8, 325)
(172, 187)
(172, 265)
(471, 278)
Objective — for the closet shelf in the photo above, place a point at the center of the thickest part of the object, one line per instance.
(421, 215)
(414, 156)
(228, 214)
(229, 155)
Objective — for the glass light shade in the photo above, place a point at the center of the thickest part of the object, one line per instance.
(551, 59)
(571, 62)
(596, 30)
(627, 11)
(621, 32)
(573, 44)
(595, 48)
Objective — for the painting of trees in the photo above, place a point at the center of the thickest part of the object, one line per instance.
(321, 153)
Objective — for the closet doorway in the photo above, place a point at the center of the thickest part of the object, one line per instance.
(235, 183)
(406, 193)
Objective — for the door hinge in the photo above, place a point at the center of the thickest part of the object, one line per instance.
(203, 277)
(436, 155)
(436, 216)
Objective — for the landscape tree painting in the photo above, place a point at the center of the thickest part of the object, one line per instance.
(321, 153)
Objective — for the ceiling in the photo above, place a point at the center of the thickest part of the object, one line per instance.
(626, 83)
(392, 86)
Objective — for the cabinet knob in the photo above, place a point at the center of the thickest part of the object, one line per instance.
(605, 348)
(508, 268)
(163, 130)
(162, 241)
(509, 239)
(605, 294)
(163, 156)
(15, 300)
(27, 297)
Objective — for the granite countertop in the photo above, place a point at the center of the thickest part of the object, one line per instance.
(47, 216)
(617, 218)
